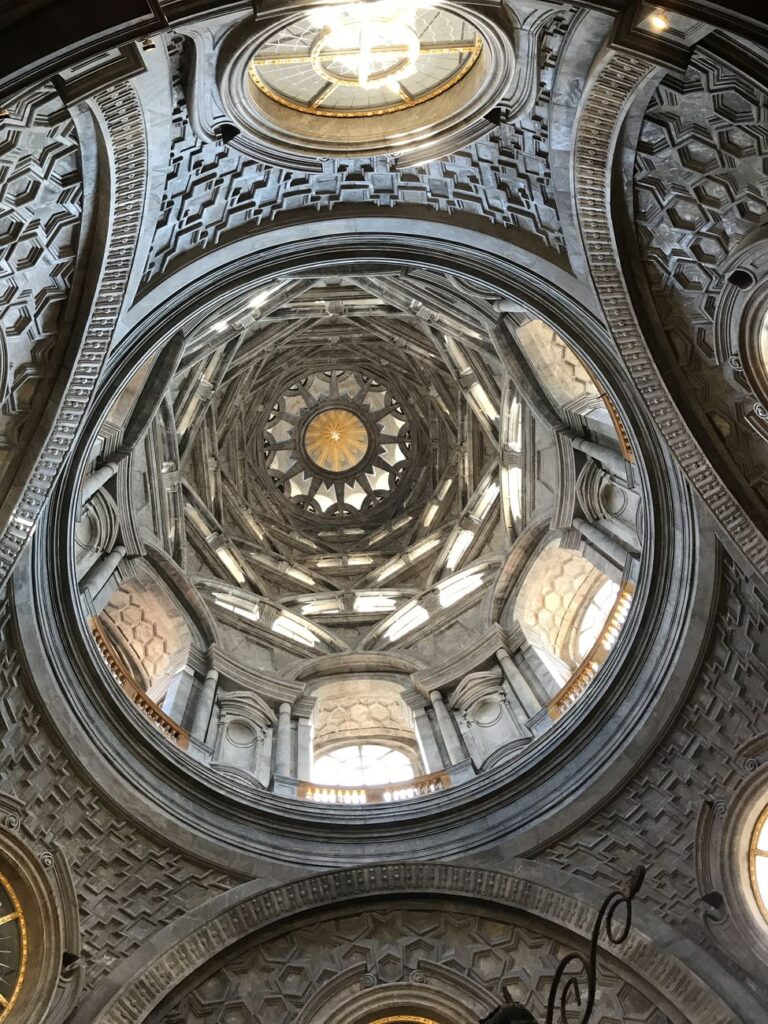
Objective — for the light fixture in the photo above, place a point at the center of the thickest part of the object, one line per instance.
(297, 574)
(452, 590)
(512, 478)
(419, 550)
(365, 603)
(228, 602)
(230, 563)
(390, 570)
(458, 548)
(488, 497)
(294, 630)
(481, 397)
(323, 606)
(659, 21)
(430, 514)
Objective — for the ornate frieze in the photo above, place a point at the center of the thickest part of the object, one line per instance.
(128, 884)
(700, 190)
(41, 199)
(118, 113)
(613, 86)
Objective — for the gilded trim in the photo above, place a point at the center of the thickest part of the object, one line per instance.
(18, 915)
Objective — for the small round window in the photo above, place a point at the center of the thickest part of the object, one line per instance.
(758, 862)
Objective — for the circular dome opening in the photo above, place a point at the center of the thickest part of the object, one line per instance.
(356, 60)
(365, 79)
(417, 591)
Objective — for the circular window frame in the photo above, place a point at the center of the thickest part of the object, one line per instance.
(382, 509)
(20, 917)
(315, 58)
(301, 442)
(760, 898)
(274, 133)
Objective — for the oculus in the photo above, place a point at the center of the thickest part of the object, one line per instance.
(336, 443)
(13, 948)
(363, 79)
(355, 60)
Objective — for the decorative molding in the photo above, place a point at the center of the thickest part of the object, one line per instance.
(127, 883)
(118, 110)
(614, 84)
(213, 191)
(448, 958)
(642, 955)
(41, 196)
(709, 746)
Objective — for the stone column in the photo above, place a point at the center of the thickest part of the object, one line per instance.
(540, 677)
(447, 728)
(97, 480)
(516, 685)
(606, 456)
(430, 751)
(535, 684)
(204, 707)
(178, 697)
(304, 749)
(283, 743)
(99, 574)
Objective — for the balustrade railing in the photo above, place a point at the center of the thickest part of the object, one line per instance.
(359, 795)
(593, 662)
(151, 711)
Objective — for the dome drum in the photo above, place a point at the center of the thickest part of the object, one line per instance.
(294, 616)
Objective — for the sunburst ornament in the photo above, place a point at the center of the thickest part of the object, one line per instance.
(336, 440)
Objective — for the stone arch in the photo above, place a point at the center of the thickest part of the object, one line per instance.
(505, 265)
(550, 898)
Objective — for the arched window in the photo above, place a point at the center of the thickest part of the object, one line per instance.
(595, 616)
(362, 765)
(758, 862)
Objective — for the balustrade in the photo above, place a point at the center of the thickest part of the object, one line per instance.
(154, 714)
(394, 792)
(593, 662)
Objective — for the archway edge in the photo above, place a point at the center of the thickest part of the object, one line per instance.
(663, 961)
(306, 245)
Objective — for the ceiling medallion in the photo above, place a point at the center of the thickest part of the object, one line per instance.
(361, 59)
(336, 440)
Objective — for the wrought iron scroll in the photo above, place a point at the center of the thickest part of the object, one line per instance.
(568, 990)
